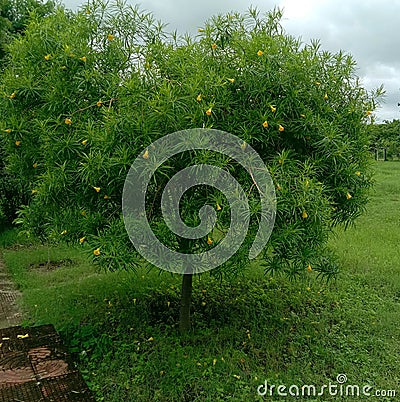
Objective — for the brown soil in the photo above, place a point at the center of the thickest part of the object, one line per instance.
(51, 265)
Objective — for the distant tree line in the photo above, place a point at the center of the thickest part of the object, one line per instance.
(387, 136)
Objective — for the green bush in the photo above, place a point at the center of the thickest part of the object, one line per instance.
(92, 89)
(14, 16)
(9, 201)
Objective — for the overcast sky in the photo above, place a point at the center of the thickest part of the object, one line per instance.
(367, 29)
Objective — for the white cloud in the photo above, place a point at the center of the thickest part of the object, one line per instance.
(366, 29)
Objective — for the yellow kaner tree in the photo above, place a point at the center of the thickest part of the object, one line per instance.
(84, 93)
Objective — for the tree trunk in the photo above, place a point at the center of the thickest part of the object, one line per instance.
(186, 301)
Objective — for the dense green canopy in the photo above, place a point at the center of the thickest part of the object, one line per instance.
(84, 93)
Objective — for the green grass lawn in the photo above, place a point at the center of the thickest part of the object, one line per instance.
(122, 326)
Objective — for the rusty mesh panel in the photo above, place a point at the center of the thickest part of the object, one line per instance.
(28, 392)
(7, 304)
(15, 368)
(35, 366)
(7, 296)
(70, 387)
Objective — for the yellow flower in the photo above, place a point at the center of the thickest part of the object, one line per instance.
(151, 339)
(273, 108)
(83, 58)
(83, 213)
(218, 207)
(236, 376)
(368, 112)
(278, 187)
(68, 121)
(64, 232)
(47, 57)
(214, 46)
(35, 165)
(22, 336)
(280, 161)
(209, 241)
(243, 145)
(214, 362)
(265, 124)
(308, 289)
(7, 130)
(146, 154)
(34, 191)
(162, 372)
(82, 240)
(97, 251)
(168, 303)
(326, 96)
(281, 128)
(18, 143)
(107, 197)
(199, 98)
(99, 103)
(110, 37)
(317, 83)
(260, 53)
(97, 189)
(348, 196)
(84, 142)
(304, 215)
(309, 268)
(200, 30)
(208, 112)
(231, 80)
(13, 95)
(358, 173)
(303, 116)
(203, 303)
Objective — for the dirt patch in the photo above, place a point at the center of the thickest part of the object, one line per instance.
(51, 265)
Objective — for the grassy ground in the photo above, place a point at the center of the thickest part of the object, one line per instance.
(122, 325)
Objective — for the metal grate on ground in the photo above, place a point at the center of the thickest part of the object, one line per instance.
(35, 366)
(9, 313)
